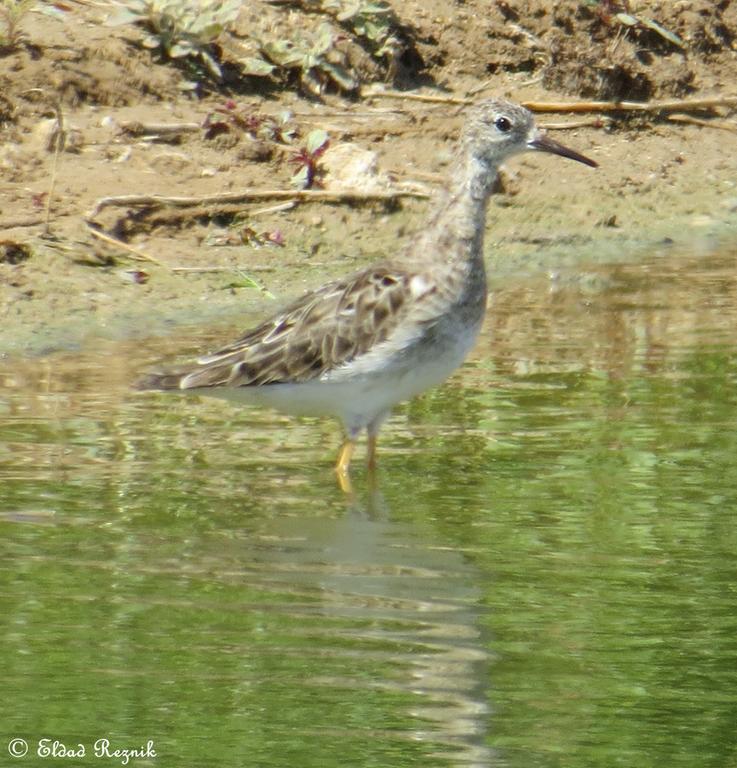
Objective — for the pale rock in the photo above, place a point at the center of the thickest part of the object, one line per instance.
(171, 162)
(350, 167)
(43, 137)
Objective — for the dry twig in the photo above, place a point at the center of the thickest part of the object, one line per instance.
(575, 106)
(32, 221)
(249, 196)
(58, 140)
(207, 270)
(724, 125)
(136, 253)
(594, 122)
(688, 105)
(135, 128)
(278, 208)
(426, 97)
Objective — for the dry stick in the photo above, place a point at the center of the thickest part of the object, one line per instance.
(479, 87)
(723, 125)
(134, 128)
(575, 106)
(594, 122)
(532, 81)
(251, 195)
(199, 270)
(278, 208)
(13, 223)
(426, 97)
(135, 252)
(369, 114)
(59, 139)
(631, 106)
(58, 143)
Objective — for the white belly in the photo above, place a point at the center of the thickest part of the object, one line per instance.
(363, 391)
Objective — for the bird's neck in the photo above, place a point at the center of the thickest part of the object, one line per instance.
(455, 232)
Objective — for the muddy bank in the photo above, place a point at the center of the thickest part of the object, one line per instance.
(661, 184)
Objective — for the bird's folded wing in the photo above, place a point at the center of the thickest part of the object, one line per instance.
(321, 332)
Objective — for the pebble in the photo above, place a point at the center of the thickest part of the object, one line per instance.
(171, 161)
(702, 221)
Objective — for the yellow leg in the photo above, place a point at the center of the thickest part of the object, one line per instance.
(342, 467)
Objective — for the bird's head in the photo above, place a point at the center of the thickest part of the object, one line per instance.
(495, 130)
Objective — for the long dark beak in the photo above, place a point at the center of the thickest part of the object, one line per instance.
(543, 143)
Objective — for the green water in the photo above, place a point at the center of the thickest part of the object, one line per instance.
(544, 575)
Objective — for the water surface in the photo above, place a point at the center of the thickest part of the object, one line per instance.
(544, 573)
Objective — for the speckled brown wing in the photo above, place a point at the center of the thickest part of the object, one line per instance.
(321, 331)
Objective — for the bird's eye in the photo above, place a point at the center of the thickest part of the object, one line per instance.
(503, 124)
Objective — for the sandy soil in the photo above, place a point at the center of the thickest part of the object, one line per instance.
(661, 181)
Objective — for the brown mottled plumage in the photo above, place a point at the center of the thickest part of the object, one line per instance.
(355, 347)
(320, 331)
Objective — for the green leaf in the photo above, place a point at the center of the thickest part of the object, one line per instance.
(324, 40)
(123, 16)
(230, 10)
(300, 178)
(246, 281)
(348, 12)
(253, 65)
(211, 64)
(283, 54)
(340, 75)
(665, 33)
(207, 31)
(316, 140)
(375, 9)
(180, 49)
(374, 32)
(310, 61)
(626, 19)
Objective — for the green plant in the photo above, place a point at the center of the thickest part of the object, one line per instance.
(244, 280)
(181, 28)
(307, 159)
(308, 56)
(230, 117)
(375, 22)
(317, 58)
(11, 14)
